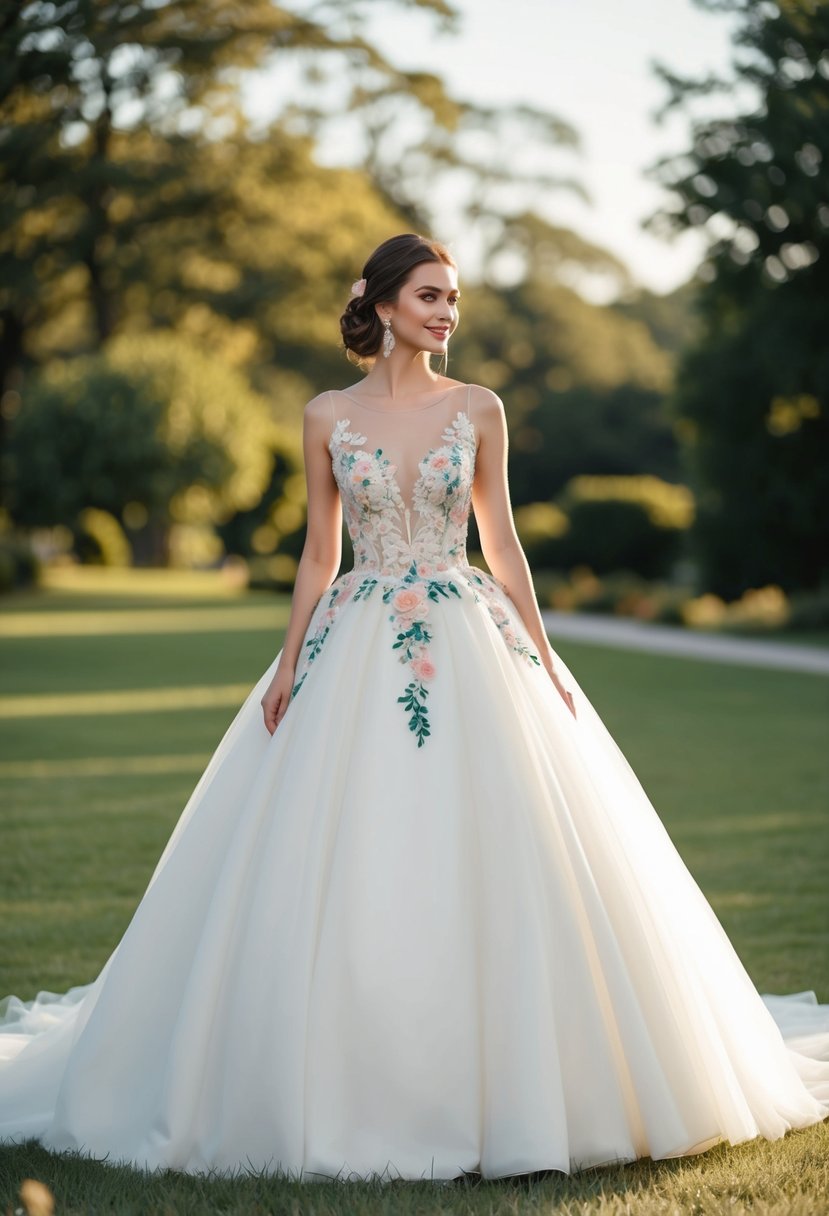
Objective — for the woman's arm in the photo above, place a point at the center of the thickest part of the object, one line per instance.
(496, 527)
(320, 558)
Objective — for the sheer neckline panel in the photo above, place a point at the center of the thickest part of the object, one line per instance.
(414, 409)
(402, 451)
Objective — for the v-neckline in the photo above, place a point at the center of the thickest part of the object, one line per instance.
(384, 462)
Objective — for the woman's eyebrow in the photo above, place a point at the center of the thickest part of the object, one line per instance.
(454, 291)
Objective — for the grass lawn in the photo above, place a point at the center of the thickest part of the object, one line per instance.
(101, 744)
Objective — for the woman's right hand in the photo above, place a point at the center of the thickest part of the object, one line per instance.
(278, 696)
(548, 661)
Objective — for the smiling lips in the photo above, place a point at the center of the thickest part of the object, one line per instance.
(440, 332)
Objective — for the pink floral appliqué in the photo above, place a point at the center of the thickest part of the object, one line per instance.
(409, 616)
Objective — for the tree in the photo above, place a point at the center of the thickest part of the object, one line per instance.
(137, 196)
(584, 386)
(752, 394)
(77, 79)
(150, 430)
(263, 275)
(122, 132)
(104, 112)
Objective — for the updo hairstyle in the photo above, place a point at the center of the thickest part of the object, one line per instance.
(385, 272)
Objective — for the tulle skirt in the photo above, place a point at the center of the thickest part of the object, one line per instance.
(360, 957)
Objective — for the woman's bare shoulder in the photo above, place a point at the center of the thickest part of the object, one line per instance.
(485, 401)
(319, 413)
(318, 405)
(317, 418)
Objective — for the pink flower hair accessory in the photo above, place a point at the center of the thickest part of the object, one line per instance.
(358, 288)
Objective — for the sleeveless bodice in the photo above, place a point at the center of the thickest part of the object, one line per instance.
(405, 481)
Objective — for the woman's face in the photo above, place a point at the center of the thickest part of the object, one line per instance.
(425, 314)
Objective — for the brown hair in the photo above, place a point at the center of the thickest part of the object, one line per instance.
(385, 272)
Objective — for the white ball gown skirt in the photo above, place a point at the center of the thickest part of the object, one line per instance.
(361, 957)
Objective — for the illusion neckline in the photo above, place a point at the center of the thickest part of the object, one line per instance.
(388, 470)
(413, 409)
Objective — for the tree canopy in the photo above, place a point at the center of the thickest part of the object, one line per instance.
(151, 430)
(752, 394)
(146, 221)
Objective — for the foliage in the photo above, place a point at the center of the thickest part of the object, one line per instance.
(263, 276)
(619, 593)
(133, 197)
(89, 435)
(410, 130)
(100, 540)
(608, 523)
(752, 395)
(135, 192)
(666, 506)
(19, 566)
(583, 386)
(95, 101)
(211, 406)
(537, 522)
(670, 318)
(150, 431)
(809, 610)
(79, 79)
(760, 607)
(803, 616)
(526, 246)
(136, 196)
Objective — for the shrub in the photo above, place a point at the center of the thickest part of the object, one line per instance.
(151, 431)
(633, 524)
(540, 525)
(19, 566)
(100, 540)
(275, 573)
(763, 608)
(809, 609)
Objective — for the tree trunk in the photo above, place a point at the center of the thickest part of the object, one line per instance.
(11, 375)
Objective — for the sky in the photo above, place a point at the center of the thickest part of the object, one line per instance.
(589, 62)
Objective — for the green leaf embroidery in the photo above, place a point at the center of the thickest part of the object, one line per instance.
(414, 701)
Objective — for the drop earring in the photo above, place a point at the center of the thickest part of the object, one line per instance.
(388, 338)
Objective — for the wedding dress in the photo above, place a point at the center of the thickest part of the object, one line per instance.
(432, 925)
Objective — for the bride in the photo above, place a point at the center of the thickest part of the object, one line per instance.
(418, 917)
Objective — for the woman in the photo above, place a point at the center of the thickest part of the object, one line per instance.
(424, 921)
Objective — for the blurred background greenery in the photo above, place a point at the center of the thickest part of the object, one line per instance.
(172, 272)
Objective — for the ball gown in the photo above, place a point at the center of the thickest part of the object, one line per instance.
(432, 925)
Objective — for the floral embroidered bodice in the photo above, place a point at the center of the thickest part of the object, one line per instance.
(394, 520)
(405, 480)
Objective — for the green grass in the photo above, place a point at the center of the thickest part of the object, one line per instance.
(786, 1177)
(791, 637)
(733, 758)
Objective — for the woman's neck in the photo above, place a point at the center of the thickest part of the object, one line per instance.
(397, 378)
